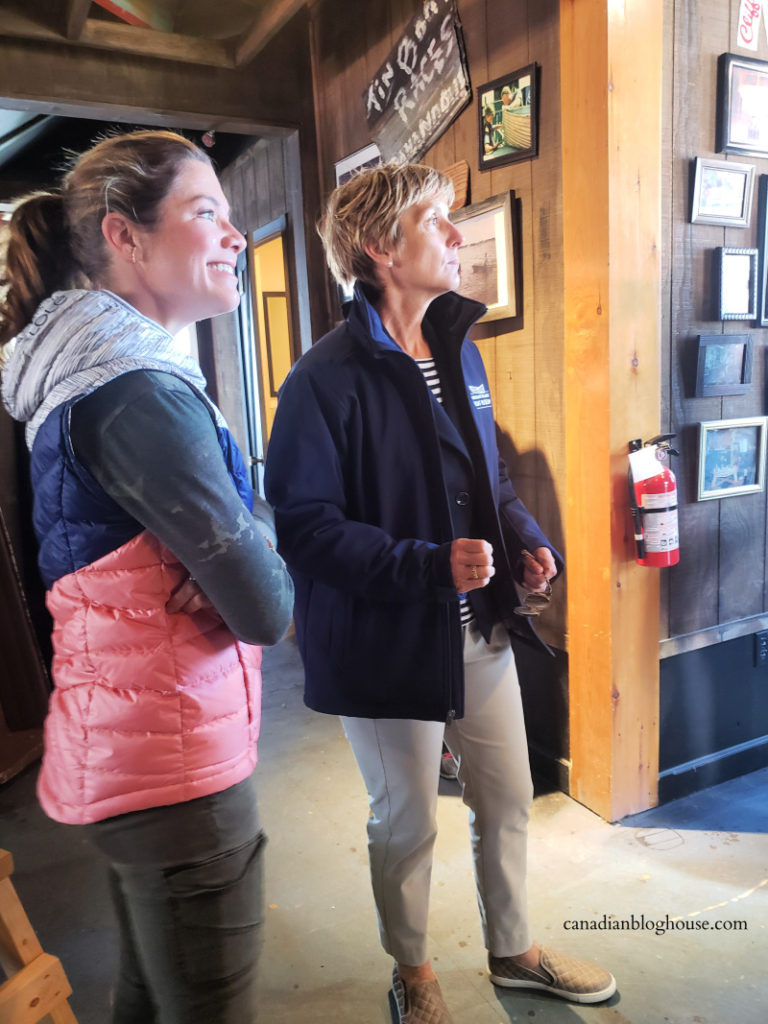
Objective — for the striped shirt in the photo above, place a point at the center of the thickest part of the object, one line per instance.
(431, 376)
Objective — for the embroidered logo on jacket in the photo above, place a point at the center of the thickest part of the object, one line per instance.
(480, 396)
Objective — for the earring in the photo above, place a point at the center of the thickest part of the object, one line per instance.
(133, 254)
(390, 263)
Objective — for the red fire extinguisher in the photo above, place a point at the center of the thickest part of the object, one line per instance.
(653, 500)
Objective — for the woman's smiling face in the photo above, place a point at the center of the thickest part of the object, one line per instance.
(186, 264)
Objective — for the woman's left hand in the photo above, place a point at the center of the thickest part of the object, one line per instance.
(538, 569)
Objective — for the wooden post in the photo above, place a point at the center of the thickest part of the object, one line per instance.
(611, 80)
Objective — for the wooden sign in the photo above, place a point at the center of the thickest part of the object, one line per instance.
(422, 86)
(459, 175)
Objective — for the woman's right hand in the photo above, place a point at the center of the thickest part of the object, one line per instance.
(471, 564)
(188, 598)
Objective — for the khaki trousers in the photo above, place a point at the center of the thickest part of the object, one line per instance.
(400, 763)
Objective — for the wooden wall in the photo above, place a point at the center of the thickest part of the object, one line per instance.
(350, 41)
(255, 185)
(263, 184)
(721, 576)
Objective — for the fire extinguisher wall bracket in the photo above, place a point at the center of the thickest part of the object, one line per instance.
(653, 501)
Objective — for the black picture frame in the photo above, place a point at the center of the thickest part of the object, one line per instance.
(723, 365)
(762, 245)
(513, 130)
(722, 192)
(737, 284)
(742, 105)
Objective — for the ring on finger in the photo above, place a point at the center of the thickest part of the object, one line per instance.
(474, 573)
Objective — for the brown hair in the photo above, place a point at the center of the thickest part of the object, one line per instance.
(55, 239)
(366, 210)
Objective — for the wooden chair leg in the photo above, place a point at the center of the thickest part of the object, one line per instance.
(36, 985)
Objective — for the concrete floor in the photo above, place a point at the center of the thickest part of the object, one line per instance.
(699, 862)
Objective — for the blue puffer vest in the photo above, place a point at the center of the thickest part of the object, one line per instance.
(149, 708)
(76, 521)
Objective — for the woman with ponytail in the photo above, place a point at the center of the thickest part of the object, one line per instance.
(160, 567)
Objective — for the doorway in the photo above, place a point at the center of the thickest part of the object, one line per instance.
(267, 333)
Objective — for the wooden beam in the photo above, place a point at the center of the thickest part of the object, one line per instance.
(126, 39)
(146, 42)
(52, 77)
(21, 26)
(268, 23)
(76, 13)
(610, 55)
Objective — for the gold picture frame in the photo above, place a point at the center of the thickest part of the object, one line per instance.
(489, 255)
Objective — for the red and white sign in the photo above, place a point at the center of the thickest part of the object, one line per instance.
(749, 24)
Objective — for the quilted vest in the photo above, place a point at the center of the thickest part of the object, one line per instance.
(148, 708)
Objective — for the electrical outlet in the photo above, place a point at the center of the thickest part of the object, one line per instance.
(761, 648)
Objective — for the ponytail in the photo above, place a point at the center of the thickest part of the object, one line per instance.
(55, 239)
(37, 260)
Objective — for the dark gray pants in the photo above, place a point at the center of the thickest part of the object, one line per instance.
(187, 884)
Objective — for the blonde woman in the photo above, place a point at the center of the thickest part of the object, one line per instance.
(406, 542)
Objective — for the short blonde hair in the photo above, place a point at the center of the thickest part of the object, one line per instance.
(366, 211)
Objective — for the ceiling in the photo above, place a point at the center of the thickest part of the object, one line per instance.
(218, 33)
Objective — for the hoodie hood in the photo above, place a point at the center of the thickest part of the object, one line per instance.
(79, 340)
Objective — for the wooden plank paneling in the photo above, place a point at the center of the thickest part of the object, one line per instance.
(473, 15)
(721, 575)
(547, 311)
(508, 48)
(693, 598)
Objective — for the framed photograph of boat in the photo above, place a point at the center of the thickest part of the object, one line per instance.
(507, 117)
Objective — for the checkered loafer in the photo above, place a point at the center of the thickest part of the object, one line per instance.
(421, 1002)
(564, 976)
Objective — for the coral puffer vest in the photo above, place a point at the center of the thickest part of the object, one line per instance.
(149, 708)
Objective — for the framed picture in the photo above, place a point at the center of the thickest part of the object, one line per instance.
(507, 118)
(724, 365)
(277, 329)
(722, 193)
(488, 256)
(762, 243)
(731, 457)
(742, 105)
(368, 156)
(738, 283)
